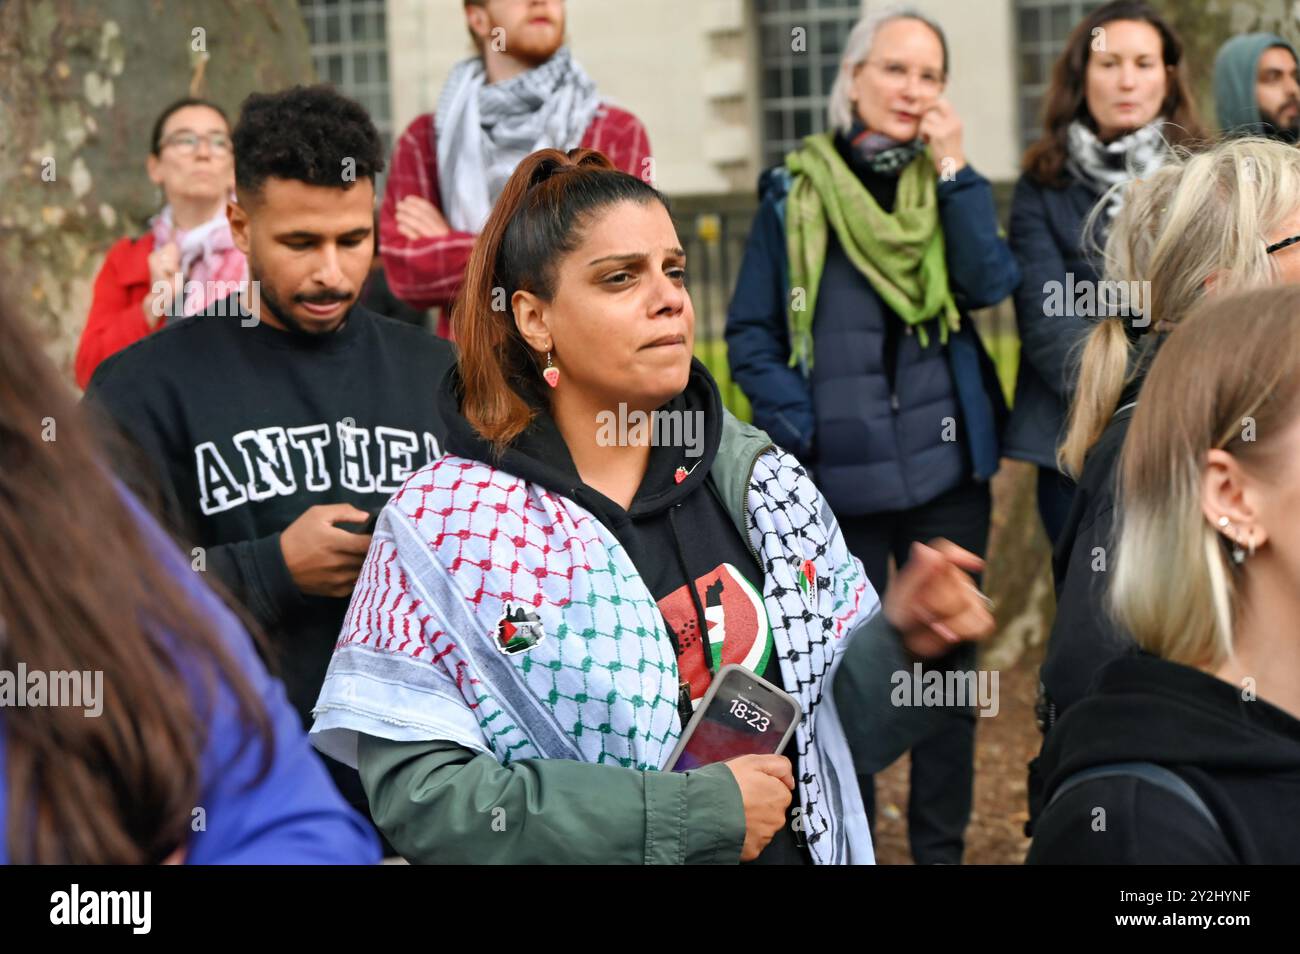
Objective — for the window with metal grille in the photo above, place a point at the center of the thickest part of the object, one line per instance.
(349, 46)
(1042, 27)
(800, 43)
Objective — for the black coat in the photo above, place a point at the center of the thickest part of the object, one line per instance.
(1046, 237)
(1084, 637)
(1242, 758)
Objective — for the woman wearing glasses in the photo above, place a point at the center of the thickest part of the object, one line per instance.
(137, 288)
(1223, 220)
(850, 334)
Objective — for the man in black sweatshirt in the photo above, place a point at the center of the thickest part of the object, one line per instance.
(277, 429)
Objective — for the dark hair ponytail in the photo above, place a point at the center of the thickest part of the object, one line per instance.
(537, 220)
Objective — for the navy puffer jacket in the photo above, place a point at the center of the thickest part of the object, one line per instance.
(884, 423)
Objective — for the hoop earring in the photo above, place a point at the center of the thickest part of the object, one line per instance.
(551, 373)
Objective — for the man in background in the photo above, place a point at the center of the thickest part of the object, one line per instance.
(1256, 90)
(275, 436)
(522, 92)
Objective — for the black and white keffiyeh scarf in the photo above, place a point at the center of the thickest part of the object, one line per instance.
(1106, 165)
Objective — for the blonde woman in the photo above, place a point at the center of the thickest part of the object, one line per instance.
(1192, 747)
(1213, 222)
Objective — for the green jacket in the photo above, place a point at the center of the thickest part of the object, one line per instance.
(438, 802)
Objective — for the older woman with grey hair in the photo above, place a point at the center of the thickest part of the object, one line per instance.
(871, 244)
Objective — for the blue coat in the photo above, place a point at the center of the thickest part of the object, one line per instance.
(876, 446)
(1047, 239)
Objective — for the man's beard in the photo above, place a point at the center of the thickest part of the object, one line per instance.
(285, 317)
(1288, 133)
(536, 53)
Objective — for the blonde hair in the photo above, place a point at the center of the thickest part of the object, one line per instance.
(1201, 218)
(1217, 382)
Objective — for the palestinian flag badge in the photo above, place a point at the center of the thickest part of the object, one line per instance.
(519, 630)
(807, 579)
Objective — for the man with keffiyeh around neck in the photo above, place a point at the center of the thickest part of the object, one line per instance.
(522, 92)
(849, 334)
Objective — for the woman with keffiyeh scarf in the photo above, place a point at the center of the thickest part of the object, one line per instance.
(525, 641)
(192, 163)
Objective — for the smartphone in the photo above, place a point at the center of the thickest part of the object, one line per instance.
(363, 528)
(741, 714)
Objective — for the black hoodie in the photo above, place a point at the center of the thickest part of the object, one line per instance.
(676, 531)
(1241, 757)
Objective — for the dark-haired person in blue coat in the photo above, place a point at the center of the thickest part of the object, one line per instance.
(849, 333)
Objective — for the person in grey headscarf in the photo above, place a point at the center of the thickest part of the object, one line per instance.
(523, 91)
(1256, 90)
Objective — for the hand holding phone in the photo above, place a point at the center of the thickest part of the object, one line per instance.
(741, 714)
(766, 785)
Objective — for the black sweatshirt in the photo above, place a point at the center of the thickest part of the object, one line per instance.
(1242, 757)
(247, 427)
(676, 532)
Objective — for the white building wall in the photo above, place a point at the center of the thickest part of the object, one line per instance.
(688, 70)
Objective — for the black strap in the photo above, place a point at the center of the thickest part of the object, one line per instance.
(1157, 775)
(684, 708)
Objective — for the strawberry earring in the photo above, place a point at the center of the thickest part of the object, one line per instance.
(551, 373)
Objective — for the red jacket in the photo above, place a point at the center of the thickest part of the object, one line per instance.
(427, 272)
(116, 318)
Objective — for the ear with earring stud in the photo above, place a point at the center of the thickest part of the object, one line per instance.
(1239, 553)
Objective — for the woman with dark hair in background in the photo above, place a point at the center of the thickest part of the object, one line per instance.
(180, 747)
(193, 164)
(871, 245)
(1118, 99)
(542, 609)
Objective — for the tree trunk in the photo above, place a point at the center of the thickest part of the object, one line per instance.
(81, 84)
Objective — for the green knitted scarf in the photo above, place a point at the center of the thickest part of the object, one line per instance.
(901, 254)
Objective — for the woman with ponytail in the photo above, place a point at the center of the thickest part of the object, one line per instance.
(1202, 225)
(173, 743)
(543, 607)
(1191, 746)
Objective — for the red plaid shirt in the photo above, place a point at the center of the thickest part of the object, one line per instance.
(426, 272)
